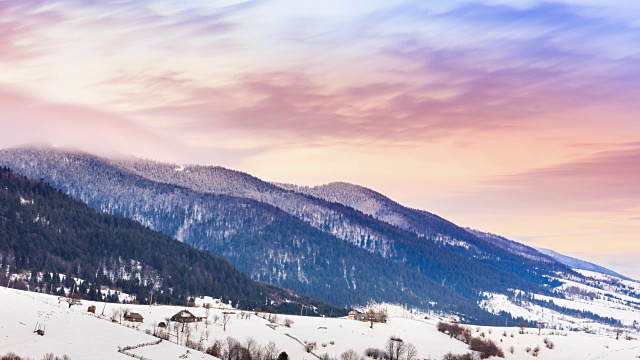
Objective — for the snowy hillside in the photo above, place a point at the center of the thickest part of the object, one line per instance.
(83, 335)
(597, 303)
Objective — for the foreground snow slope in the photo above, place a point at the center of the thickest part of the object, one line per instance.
(68, 331)
(86, 336)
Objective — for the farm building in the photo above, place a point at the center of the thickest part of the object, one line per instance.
(133, 317)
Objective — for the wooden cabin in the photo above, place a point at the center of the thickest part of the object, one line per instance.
(133, 317)
(185, 316)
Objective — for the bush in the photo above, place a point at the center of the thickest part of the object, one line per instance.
(511, 349)
(548, 343)
(536, 351)
(311, 346)
(10, 356)
(486, 348)
(455, 331)
(376, 353)
(47, 356)
(450, 356)
(288, 322)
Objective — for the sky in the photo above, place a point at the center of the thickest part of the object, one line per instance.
(516, 117)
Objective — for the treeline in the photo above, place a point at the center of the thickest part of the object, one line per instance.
(580, 314)
(44, 230)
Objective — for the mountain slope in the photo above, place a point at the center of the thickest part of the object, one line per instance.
(319, 248)
(44, 230)
(579, 264)
(502, 254)
(513, 246)
(317, 207)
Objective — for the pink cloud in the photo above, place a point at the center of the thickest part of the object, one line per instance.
(299, 106)
(606, 181)
(26, 119)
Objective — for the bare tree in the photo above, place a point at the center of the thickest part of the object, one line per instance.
(216, 317)
(350, 355)
(251, 346)
(540, 326)
(114, 315)
(271, 351)
(383, 315)
(522, 325)
(207, 312)
(618, 331)
(226, 320)
(154, 326)
(176, 328)
(122, 312)
(395, 348)
(412, 352)
(188, 330)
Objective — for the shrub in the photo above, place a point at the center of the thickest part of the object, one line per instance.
(376, 353)
(450, 356)
(311, 346)
(511, 349)
(455, 331)
(548, 343)
(10, 356)
(51, 356)
(485, 347)
(536, 351)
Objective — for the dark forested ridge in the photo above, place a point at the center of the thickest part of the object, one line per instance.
(321, 249)
(44, 230)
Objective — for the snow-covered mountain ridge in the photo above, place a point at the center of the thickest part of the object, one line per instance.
(340, 242)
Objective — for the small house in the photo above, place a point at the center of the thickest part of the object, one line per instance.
(91, 309)
(133, 317)
(162, 325)
(353, 314)
(185, 316)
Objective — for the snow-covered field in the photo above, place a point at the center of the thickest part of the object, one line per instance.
(82, 335)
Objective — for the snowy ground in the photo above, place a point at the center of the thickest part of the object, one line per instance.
(610, 301)
(86, 336)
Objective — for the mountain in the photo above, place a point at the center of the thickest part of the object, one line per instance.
(542, 254)
(514, 247)
(580, 264)
(419, 222)
(44, 232)
(280, 235)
